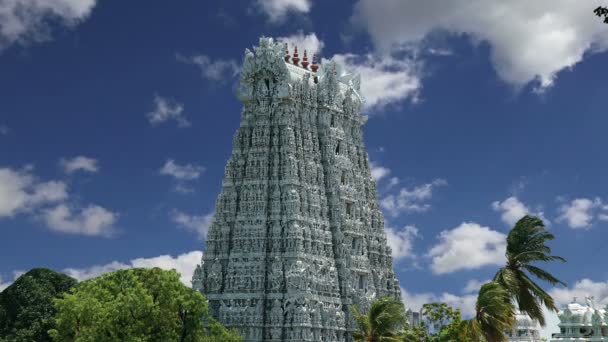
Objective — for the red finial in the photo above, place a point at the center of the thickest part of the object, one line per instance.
(314, 67)
(287, 56)
(295, 58)
(305, 61)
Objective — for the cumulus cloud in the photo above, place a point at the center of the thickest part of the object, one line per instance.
(515, 31)
(580, 212)
(386, 79)
(26, 21)
(473, 285)
(7, 283)
(309, 42)
(414, 301)
(194, 223)
(378, 171)
(401, 241)
(466, 247)
(21, 191)
(214, 70)
(92, 220)
(512, 210)
(580, 289)
(277, 10)
(182, 174)
(410, 200)
(79, 163)
(167, 109)
(183, 263)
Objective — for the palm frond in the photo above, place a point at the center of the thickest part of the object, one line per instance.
(543, 275)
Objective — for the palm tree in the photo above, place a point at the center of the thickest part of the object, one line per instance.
(382, 322)
(494, 314)
(525, 246)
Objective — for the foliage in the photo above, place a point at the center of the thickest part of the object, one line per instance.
(136, 305)
(443, 320)
(494, 315)
(382, 322)
(439, 323)
(526, 246)
(26, 306)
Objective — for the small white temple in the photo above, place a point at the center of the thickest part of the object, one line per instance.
(526, 329)
(582, 322)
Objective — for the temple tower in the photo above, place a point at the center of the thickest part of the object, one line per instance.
(297, 236)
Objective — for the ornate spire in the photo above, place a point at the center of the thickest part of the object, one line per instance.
(305, 61)
(314, 67)
(287, 56)
(295, 58)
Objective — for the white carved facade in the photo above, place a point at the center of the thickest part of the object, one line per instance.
(525, 329)
(582, 322)
(297, 236)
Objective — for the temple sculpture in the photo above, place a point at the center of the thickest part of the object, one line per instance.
(525, 329)
(582, 322)
(297, 235)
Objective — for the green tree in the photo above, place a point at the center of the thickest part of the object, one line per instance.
(136, 305)
(442, 322)
(526, 246)
(439, 323)
(494, 314)
(26, 306)
(382, 323)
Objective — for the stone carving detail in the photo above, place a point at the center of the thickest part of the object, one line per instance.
(297, 236)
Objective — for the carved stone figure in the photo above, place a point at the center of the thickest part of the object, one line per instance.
(297, 191)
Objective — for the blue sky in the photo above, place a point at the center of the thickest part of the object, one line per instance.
(117, 118)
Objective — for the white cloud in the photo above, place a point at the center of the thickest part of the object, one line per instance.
(167, 109)
(414, 301)
(5, 284)
(92, 220)
(401, 241)
(379, 172)
(385, 79)
(21, 191)
(473, 285)
(410, 200)
(515, 31)
(466, 247)
(197, 224)
(277, 10)
(79, 163)
(4, 130)
(181, 172)
(580, 212)
(214, 70)
(513, 210)
(580, 289)
(183, 263)
(309, 42)
(25, 21)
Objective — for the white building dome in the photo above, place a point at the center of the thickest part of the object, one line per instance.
(525, 329)
(582, 322)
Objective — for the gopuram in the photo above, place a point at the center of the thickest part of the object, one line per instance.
(297, 236)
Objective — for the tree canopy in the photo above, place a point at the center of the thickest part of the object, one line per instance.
(27, 308)
(136, 305)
